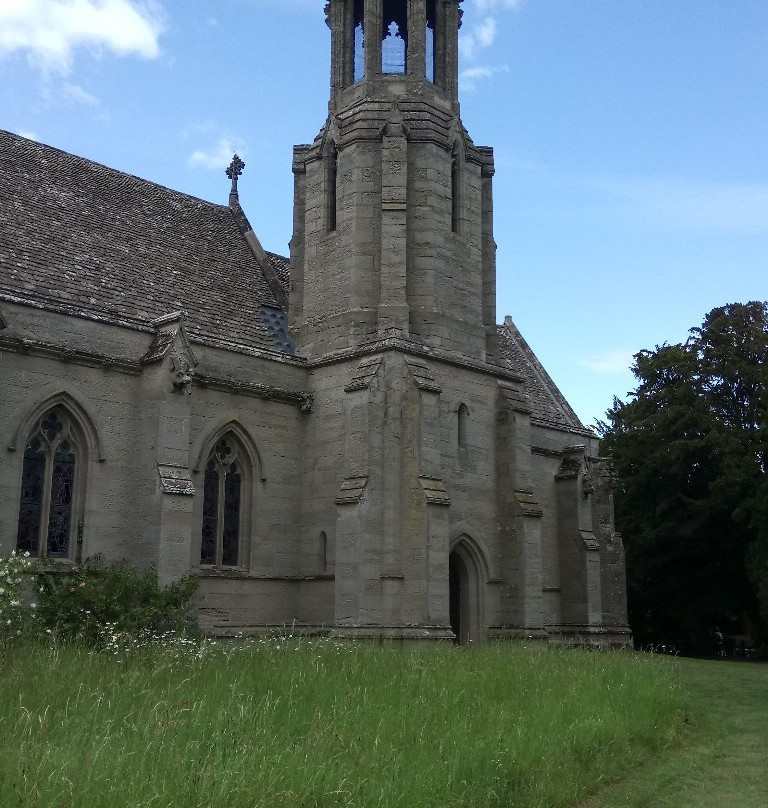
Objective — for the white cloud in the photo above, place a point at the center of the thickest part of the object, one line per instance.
(49, 31)
(470, 77)
(618, 360)
(29, 135)
(477, 37)
(75, 93)
(216, 157)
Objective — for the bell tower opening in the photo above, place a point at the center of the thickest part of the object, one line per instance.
(358, 37)
(429, 42)
(394, 43)
(393, 231)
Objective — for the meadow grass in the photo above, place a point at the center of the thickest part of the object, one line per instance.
(288, 723)
(722, 761)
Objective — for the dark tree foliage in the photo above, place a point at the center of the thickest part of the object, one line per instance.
(691, 455)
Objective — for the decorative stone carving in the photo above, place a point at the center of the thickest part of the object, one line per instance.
(181, 373)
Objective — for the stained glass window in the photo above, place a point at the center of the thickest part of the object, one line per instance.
(60, 511)
(48, 479)
(222, 505)
(31, 508)
(210, 515)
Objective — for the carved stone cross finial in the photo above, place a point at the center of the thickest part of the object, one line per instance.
(234, 170)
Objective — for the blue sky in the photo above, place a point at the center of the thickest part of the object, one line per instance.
(631, 188)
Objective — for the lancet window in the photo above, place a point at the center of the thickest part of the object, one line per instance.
(462, 425)
(455, 192)
(331, 178)
(223, 509)
(394, 45)
(429, 43)
(53, 456)
(359, 41)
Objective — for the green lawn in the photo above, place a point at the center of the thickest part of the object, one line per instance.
(287, 724)
(723, 760)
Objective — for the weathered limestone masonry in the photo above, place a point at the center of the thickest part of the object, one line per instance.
(345, 442)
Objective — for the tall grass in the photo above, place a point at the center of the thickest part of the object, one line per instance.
(285, 724)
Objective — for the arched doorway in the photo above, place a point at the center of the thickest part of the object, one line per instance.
(465, 595)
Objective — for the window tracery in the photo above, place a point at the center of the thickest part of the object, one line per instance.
(393, 49)
(51, 460)
(222, 504)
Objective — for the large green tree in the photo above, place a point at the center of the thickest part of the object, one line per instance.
(691, 454)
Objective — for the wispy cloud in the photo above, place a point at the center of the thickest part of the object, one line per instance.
(28, 134)
(472, 75)
(477, 37)
(217, 156)
(75, 93)
(618, 360)
(50, 31)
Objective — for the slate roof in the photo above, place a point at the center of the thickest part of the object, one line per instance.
(88, 240)
(547, 403)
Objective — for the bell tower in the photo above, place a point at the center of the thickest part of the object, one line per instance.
(393, 231)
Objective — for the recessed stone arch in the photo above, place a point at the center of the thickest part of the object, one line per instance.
(59, 445)
(217, 530)
(243, 435)
(467, 576)
(87, 423)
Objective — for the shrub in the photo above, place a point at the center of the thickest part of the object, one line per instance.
(96, 601)
(16, 609)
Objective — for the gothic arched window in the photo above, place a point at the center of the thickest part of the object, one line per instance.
(49, 479)
(429, 43)
(358, 69)
(331, 180)
(455, 191)
(462, 426)
(223, 503)
(394, 41)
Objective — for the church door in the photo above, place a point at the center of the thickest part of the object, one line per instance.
(464, 596)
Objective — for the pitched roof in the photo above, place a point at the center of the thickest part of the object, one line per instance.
(547, 403)
(88, 240)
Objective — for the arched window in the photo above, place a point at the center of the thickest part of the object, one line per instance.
(50, 474)
(429, 43)
(462, 424)
(358, 69)
(331, 173)
(394, 44)
(223, 503)
(323, 548)
(455, 191)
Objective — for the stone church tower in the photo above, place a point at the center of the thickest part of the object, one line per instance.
(343, 441)
(393, 297)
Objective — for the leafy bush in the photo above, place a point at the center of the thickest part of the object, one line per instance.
(96, 601)
(17, 611)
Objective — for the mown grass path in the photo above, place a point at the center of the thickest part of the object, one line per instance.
(723, 761)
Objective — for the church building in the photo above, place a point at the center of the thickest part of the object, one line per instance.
(343, 440)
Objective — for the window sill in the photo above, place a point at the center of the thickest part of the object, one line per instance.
(216, 571)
